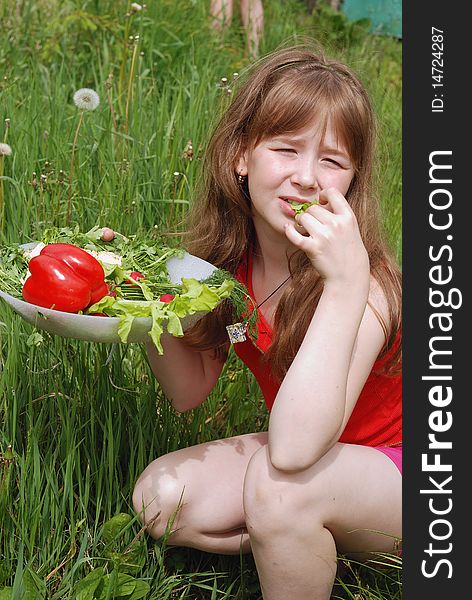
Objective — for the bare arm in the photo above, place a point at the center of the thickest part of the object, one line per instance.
(322, 385)
(185, 374)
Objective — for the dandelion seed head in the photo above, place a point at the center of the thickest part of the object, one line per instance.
(5, 149)
(135, 7)
(86, 99)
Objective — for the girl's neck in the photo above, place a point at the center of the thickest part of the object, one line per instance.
(270, 257)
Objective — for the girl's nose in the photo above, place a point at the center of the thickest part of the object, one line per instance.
(305, 174)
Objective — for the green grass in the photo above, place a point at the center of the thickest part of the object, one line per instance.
(83, 419)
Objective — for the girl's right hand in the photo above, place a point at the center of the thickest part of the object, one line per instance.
(333, 244)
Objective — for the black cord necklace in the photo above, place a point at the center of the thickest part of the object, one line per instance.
(237, 331)
(276, 290)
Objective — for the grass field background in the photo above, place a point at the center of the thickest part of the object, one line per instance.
(80, 421)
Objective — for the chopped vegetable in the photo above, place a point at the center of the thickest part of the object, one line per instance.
(166, 298)
(134, 276)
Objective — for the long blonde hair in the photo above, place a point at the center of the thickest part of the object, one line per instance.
(282, 93)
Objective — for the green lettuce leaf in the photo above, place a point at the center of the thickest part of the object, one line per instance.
(103, 305)
(174, 325)
(124, 326)
(157, 329)
(301, 207)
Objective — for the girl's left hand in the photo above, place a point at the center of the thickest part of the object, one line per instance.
(333, 244)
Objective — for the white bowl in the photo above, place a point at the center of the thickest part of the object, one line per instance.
(105, 329)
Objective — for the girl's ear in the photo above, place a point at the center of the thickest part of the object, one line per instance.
(241, 167)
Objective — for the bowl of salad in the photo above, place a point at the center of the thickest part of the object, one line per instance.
(128, 289)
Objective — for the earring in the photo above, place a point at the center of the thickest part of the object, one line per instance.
(241, 179)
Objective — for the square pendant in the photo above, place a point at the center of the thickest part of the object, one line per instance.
(236, 332)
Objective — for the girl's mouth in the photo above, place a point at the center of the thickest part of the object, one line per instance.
(287, 207)
(294, 207)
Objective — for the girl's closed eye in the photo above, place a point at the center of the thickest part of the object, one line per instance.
(335, 163)
(287, 150)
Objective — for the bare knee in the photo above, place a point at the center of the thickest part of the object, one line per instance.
(274, 500)
(157, 499)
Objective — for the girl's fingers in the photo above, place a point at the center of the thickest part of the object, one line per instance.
(312, 224)
(322, 213)
(305, 242)
(297, 239)
(332, 199)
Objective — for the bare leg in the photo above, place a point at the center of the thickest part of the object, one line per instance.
(297, 522)
(209, 479)
(252, 16)
(222, 13)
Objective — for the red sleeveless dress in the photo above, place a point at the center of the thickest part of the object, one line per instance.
(377, 416)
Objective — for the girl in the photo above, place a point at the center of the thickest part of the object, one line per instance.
(326, 476)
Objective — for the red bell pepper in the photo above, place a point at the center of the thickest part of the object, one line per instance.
(64, 277)
(83, 264)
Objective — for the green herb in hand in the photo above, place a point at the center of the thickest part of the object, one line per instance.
(301, 207)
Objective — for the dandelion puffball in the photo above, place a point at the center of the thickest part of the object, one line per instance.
(5, 149)
(86, 99)
(135, 7)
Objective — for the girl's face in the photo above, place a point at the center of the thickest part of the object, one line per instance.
(293, 167)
